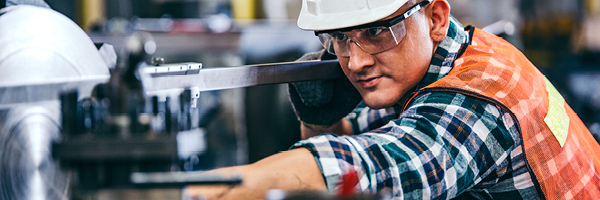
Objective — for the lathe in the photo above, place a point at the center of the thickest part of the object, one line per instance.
(75, 127)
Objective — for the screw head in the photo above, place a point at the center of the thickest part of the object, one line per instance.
(156, 61)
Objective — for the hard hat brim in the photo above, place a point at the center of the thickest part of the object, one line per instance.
(319, 21)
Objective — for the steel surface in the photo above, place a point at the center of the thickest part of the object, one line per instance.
(245, 76)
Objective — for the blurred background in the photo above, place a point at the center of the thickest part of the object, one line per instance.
(558, 36)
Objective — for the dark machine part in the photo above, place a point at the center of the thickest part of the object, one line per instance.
(121, 138)
(108, 159)
(124, 138)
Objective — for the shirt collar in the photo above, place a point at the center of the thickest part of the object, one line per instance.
(445, 54)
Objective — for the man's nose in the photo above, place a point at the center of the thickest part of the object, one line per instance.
(359, 58)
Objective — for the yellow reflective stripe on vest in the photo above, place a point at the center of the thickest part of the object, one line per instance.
(556, 119)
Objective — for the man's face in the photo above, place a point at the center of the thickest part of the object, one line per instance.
(384, 78)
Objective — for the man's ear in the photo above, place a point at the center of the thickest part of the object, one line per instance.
(439, 19)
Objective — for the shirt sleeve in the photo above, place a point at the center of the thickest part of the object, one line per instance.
(364, 119)
(442, 145)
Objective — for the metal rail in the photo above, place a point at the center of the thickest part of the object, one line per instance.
(244, 76)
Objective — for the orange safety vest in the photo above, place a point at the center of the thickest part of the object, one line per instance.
(559, 149)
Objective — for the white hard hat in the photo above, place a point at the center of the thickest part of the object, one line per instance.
(321, 15)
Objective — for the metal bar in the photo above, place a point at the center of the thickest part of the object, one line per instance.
(179, 179)
(245, 76)
(172, 69)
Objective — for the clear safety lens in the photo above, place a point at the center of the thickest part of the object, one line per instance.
(372, 40)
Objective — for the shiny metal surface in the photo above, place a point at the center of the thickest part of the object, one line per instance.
(41, 47)
(172, 69)
(42, 54)
(245, 76)
(184, 178)
(27, 170)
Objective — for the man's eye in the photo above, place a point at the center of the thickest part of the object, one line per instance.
(339, 36)
(374, 31)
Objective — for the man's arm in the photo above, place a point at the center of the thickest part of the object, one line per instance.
(437, 148)
(293, 169)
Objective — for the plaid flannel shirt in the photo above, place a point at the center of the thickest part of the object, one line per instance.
(444, 145)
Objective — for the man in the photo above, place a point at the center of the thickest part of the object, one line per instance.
(448, 112)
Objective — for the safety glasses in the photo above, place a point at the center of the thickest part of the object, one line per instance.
(372, 38)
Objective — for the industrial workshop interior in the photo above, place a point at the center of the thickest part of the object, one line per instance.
(141, 99)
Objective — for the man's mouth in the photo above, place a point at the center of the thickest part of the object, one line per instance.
(368, 82)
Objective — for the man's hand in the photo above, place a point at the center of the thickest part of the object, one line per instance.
(294, 169)
(322, 104)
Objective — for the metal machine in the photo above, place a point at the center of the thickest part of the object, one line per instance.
(40, 55)
(148, 142)
(72, 128)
